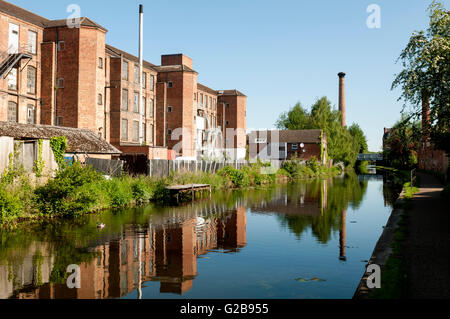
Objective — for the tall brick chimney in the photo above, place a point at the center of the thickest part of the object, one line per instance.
(342, 97)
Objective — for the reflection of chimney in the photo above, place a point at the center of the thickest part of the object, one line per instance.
(342, 235)
(342, 96)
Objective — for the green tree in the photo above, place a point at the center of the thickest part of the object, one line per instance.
(340, 142)
(426, 73)
(359, 138)
(403, 142)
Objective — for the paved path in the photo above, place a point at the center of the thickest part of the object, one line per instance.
(427, 248)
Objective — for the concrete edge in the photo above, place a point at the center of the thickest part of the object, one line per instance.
(383, 248)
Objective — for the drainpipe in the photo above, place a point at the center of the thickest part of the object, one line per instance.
(165, 115)
(141, 49)
(56, 77)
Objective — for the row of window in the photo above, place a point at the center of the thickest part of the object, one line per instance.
(136, 76)
(124, 136)
(205, 100)
(31, 80)
(13, 113)
(136, 103)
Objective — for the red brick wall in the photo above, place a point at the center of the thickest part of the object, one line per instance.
(433, 160)
(235, 114)
(176, 59)
(21, 97)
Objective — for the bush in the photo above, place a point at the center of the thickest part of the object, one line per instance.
(11, 206)
(120, 191)
(238, 178)
(67, 194)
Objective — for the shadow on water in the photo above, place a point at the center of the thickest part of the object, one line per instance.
(162, 244)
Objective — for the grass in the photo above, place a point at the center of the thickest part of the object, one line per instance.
(393, 273)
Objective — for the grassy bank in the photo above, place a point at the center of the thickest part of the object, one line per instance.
(76, 190)
(393, 278)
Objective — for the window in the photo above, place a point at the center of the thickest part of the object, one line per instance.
(169, 84)
(12, 112)
(124, 129)
(195, 96)
(227, 122)
(31, 80)
(124, 99)
(136, 74)
(169, 109)
(210, 101)
(61, 45)
(32, 42)
(100, 99)
(144, 106)
(152, 82)
(151, 107)
(201, 98)
(12, 79)
(294, 147)
(169, 132)
(135, 131)
(125, 70)
(59, 121)
(60, 83)
(151, 134)
(144, 80)
(100, 63)
(136, 102)
(214, 104)
(31, 114)
(227, 106)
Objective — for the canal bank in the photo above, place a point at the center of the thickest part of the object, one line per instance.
(77, 190)
(416, 246)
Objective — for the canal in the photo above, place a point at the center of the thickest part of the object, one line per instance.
(306, 240)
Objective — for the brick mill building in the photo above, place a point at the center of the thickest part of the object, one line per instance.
(54, 74)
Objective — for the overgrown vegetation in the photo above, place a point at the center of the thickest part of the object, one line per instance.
(76, 190)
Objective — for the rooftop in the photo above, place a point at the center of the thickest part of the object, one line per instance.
(78, 140)
(204, 88)
(230, 92)
(114, 51)
(290, 136)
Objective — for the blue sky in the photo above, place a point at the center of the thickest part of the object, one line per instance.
(276, 52)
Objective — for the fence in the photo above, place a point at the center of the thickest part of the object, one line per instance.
(161, 168)
(105, 166)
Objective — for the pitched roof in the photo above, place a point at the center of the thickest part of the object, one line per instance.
(78, 140)
(83, 21)
(113, 50)
(174, 68)
(22, 14)
(230, 92)
(290, 136)
(204, 88)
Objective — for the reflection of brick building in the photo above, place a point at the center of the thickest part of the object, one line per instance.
(166, 253)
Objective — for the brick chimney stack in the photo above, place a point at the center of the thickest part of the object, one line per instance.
(342, 97)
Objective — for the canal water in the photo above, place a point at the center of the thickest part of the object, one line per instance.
(306, 240)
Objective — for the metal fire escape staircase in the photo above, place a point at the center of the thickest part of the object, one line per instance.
(12, 59)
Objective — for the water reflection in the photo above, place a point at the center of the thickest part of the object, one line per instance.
(154, 244)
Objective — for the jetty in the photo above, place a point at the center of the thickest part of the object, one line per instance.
(175, 190)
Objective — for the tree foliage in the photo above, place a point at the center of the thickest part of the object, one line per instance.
(426, 72)
(343, 144)
(403, 143)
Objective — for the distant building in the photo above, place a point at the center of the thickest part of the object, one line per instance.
(286, 144)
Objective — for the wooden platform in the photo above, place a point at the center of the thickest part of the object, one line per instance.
(177, 189)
